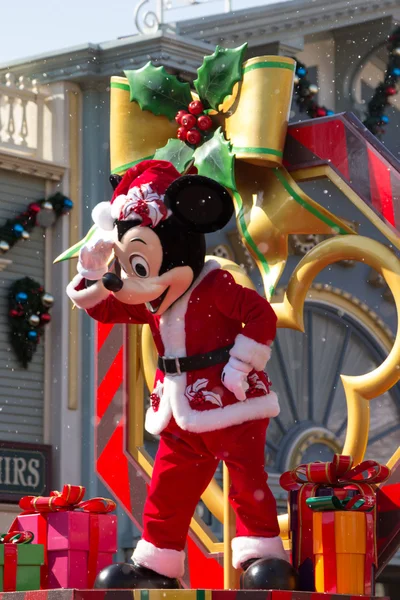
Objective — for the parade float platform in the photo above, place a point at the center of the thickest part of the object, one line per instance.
(63, 594)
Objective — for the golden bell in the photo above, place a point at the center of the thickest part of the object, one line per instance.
(256, 123)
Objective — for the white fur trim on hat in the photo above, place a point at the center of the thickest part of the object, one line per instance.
(245, 548)
(170, 563)
(101, 216)
(250, 351)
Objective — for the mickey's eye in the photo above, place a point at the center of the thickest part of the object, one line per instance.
(140, 266)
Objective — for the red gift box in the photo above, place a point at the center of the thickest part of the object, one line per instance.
(79, 537)
(338, 478)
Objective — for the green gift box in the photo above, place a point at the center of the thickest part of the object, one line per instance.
(20, 567)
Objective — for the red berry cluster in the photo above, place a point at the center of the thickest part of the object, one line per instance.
(191, 122)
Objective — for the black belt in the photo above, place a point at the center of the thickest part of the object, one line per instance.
(176, 366)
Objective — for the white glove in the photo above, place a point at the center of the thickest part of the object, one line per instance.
(93, 259)
(234, 377)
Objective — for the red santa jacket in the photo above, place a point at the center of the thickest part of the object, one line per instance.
(215, 312)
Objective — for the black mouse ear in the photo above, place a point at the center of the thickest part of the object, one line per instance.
(114, 180)
(200, 203)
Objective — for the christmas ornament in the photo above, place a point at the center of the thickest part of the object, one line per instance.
(21, 297)
(34, 320)
(27, 310)
(304, 93)
(21, 226)
(47, 300)
(17, 230)
(375, 116)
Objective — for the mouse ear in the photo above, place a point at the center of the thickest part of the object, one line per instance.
(199, 203)
(115, 180)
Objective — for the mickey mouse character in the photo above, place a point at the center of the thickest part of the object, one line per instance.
(211, 399)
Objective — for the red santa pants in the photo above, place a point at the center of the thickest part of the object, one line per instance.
(185, 464)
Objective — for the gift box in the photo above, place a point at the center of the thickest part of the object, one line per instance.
(20, 565)
(353, 489)
(344, 552)
(79, 538)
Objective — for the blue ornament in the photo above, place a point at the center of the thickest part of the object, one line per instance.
(330, 112)
(68, 203)
(385, 119)
(21, 297)
(18, 230)
(32, 335)
(396, 72)
(301, 71)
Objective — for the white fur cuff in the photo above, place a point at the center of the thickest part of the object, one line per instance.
(245, 548)
(250, 351)
(88, 297)
(170, 563)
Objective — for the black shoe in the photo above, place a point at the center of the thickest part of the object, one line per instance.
(133, 576)
(268, 574)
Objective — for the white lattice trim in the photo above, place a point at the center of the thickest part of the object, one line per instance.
(170, 563)
(250, 351)
(88, 297)
(244, 548)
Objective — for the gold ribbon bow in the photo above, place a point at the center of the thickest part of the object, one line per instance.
(269, 204)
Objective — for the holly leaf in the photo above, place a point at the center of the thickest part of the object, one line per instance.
(157, 91)
(176, 152)
(218, 74)
(215, 159)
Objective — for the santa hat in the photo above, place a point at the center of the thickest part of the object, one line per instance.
(138, 196)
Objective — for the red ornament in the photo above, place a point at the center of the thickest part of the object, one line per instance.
(193, 137)
(188, 121)
(14, 313)
(45, 318)
(391, 91)
(320, 112)
(204, 122)
(196, 107)
(179, 116)
(35, 208)
(182, 134)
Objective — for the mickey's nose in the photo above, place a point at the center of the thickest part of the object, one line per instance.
(112, 282)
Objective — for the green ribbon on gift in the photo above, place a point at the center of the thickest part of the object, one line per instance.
(324, 503)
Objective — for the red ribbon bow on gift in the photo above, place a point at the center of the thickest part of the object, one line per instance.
(71, 498)
(340, 473)
(17, 537)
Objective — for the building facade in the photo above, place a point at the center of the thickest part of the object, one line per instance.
(350, 318)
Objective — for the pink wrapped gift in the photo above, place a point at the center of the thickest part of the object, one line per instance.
(79, 538)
